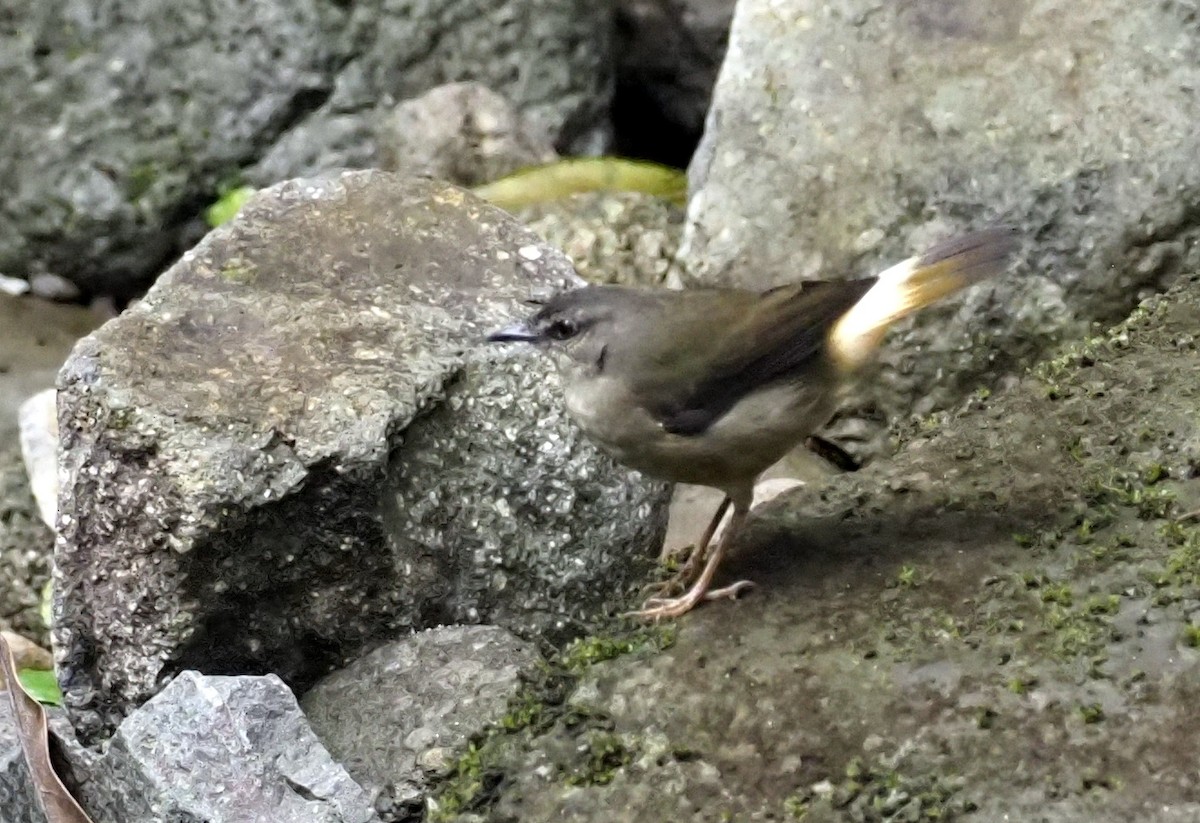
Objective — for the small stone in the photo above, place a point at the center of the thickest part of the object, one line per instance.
(38, 424)
(54, 287)
(14, 286)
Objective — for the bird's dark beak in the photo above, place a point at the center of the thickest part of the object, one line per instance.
(516, 333)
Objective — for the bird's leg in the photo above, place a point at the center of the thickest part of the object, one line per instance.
(683, 578)
(657, 607)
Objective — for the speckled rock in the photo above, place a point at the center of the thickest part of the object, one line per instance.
(611, 237)
(461, 132)
(844, 136)
(1002, 623)
(398, 717)
(105, 161)
(219, 749)
(296, 446)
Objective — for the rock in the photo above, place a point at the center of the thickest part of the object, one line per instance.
(917, 639)
(461, 132)
(13, 286)
(611, 237)
(105, 162)
(103, 149)
(549, 58)
(398, 717)
(296, 448)
(54, 287)
(17, 796)
(38, 422)
(220, 749)
(846, 136)
(316, 146)
(668, 54)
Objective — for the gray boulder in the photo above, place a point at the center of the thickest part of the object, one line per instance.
(122, 119)
(397, 718)
(295, 448)
(548, 57)
(844, 136)
(219, 749)
(118, 115)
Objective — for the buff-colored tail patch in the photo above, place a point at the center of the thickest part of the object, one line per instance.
(917, 282)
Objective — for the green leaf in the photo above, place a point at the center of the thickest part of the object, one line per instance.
(41, 685)
(228, 205)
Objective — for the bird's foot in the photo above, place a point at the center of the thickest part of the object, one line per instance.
(657, 608)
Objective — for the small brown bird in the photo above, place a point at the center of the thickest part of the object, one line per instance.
(712, 386)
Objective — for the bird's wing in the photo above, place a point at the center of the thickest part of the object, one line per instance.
(785, 333)
(771, 337)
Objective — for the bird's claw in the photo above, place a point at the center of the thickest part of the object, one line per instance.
(732, 592)
(656, 608)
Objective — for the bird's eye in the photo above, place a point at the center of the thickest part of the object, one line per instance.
(562, 329)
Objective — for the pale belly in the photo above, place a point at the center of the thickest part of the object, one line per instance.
(755, 433)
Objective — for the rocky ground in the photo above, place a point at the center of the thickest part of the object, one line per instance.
(35, 337)
(999, 624)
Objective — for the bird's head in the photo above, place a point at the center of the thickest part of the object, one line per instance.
(577, 328)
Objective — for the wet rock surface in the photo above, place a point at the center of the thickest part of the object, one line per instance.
(1000, 623)
(397, 718)
(846, 136)
(295, 448)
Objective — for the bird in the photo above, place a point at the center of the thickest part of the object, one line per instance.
(711, 386)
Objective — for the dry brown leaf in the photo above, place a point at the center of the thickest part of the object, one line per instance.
(33, 733)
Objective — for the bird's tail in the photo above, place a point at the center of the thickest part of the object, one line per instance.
(914, 284)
